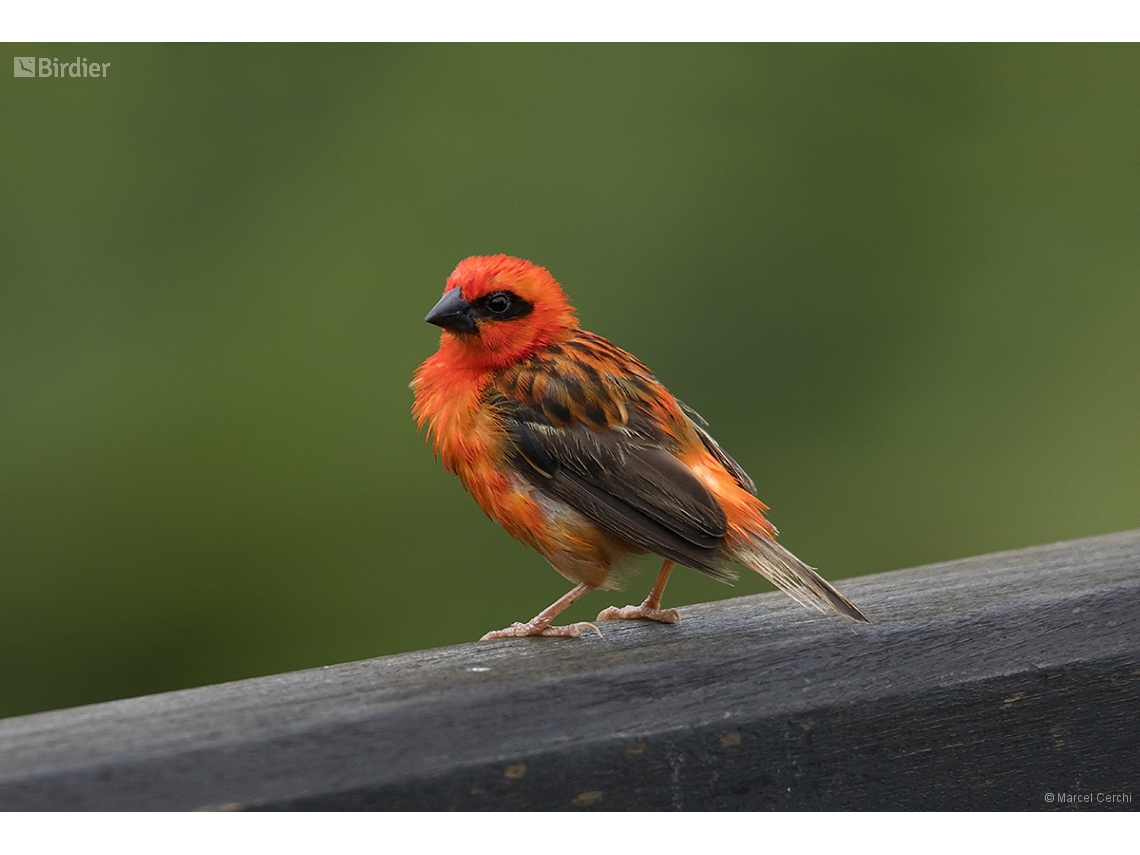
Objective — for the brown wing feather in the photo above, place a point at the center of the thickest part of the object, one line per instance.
(583, 432)
(734, 468)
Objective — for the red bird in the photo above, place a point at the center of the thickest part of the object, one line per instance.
(575, 448)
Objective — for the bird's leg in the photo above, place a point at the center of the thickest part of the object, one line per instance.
(540, 623)
(651, 608)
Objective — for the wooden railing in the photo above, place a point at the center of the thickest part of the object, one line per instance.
(1006, 681)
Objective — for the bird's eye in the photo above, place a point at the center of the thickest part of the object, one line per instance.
(499, 303)
(502, 306)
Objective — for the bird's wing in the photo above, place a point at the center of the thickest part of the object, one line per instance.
(586, 431)
(734, 468)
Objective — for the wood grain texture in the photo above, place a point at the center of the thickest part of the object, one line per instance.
(982, 684)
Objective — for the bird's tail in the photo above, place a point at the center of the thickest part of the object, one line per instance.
(800, 582)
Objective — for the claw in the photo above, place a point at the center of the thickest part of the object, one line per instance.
(641, 612)
(524, 630)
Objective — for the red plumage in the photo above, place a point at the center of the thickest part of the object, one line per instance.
(576, 449)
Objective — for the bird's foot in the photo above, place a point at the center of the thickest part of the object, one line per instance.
(522, 630)
(642, 612)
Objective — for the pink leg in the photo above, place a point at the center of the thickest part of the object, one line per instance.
(651, 608)
(540, 624)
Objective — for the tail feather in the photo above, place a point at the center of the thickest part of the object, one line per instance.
(800, 582)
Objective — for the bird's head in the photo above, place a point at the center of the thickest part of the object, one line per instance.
(497, 310)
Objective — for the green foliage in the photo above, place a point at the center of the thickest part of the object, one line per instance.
(901, 282)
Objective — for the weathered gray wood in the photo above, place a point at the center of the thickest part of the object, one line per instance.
(984, 683)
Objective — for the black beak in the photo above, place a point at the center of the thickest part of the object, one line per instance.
(452, 312)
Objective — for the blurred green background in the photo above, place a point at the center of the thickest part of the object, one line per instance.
(901, 282)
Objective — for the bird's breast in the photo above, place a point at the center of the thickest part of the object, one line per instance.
(469, 437)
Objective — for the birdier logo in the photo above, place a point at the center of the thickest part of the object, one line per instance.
(47, 66)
